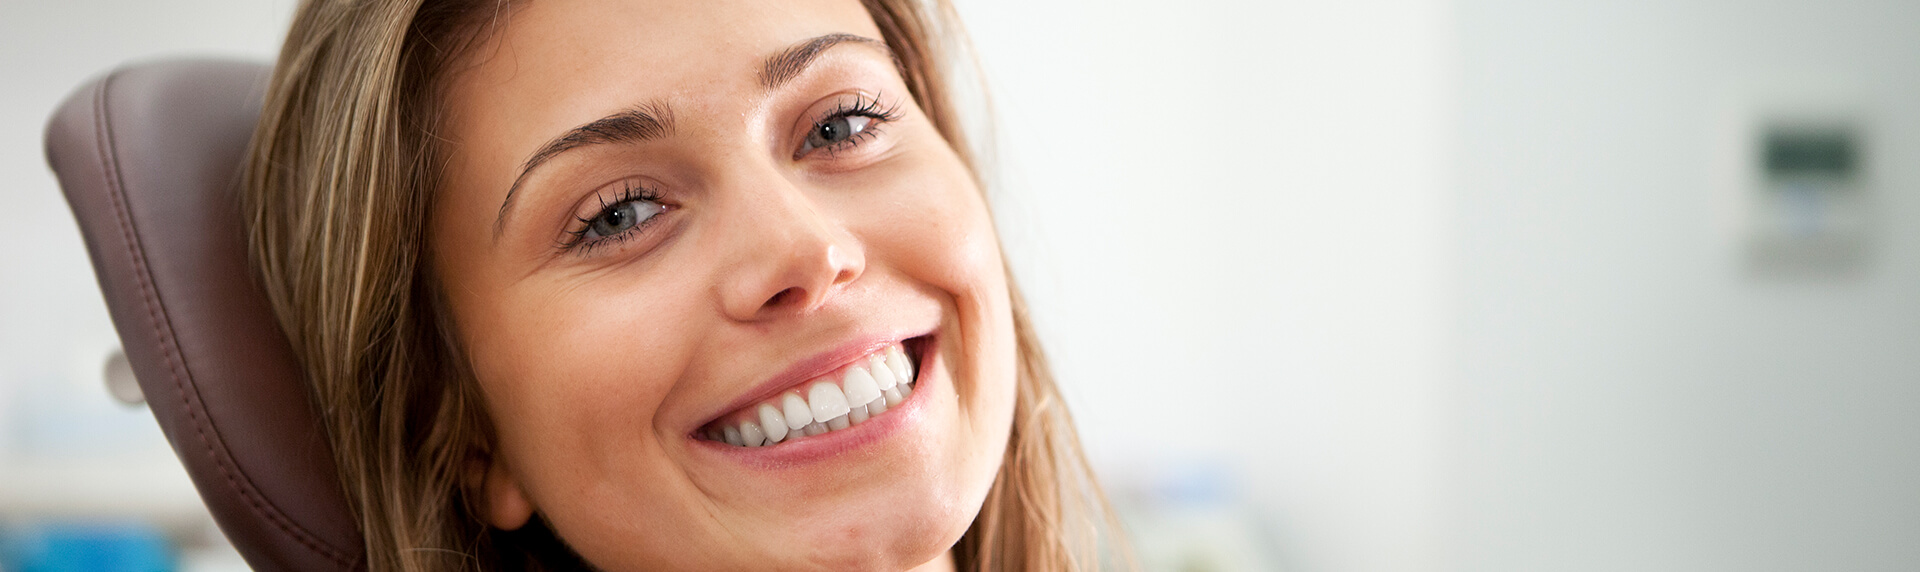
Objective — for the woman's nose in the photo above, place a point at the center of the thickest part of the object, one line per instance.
(791, 257)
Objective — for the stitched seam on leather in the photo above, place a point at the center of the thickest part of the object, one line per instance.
(103, 135)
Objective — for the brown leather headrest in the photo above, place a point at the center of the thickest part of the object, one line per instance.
(150, 159)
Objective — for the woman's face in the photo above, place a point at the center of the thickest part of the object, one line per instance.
(668, 231)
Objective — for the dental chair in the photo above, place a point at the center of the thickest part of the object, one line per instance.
(149, 157)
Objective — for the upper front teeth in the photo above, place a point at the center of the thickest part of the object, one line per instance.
(795, 408)
(832, 402)
(827, 400)
(860, 386)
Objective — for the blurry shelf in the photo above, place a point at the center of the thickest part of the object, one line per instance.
(156, 489)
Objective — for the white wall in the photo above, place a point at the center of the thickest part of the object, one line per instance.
(1629, 396)
(1230, 219)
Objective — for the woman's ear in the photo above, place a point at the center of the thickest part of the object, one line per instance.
(491, 482)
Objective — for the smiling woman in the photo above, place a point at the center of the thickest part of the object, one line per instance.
(657, 285)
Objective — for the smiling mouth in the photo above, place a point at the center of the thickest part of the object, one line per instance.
(866, 388)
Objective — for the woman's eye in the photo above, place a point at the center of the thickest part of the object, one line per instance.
(621, 217)
(836, 130)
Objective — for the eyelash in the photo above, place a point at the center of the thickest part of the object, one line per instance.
(629, 191)
(862, 106)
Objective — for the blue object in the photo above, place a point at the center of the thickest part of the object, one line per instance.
(85, 547)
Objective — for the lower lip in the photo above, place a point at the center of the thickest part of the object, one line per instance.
(833, 444)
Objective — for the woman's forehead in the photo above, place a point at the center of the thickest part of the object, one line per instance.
(554, 65)
(577, 57)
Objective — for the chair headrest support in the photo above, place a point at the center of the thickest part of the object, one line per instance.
(150, 158)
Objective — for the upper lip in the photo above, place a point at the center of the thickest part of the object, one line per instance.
(811, 367)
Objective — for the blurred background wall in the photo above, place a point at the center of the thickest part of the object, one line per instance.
(1231, 220)
(1394, 285)
(1642, 381)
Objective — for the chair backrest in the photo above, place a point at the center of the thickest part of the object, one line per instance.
(150, 159)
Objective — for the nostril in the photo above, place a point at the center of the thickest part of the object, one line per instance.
(785, 297)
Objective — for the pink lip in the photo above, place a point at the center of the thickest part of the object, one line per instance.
(806, 369)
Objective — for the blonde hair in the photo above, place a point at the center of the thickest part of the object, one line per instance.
(339, 184)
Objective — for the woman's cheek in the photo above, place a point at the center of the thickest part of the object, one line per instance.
(581, 368)
(948, 239)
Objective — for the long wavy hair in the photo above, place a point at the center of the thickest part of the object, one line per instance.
(342, 171)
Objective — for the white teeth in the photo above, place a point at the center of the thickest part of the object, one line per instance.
(860, 386)
(882, 374)
(773, 423)
(826, 400)
(876, 385)
(795, 410)
(751, 434)
(902, 371)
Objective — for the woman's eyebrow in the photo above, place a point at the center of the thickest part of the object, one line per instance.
(786, 65)
(655, 120)
(642, 123)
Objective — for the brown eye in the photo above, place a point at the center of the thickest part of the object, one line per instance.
(836, 130)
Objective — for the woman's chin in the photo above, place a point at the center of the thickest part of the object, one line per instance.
(894, 524)
(896, 540)
(890, 498)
